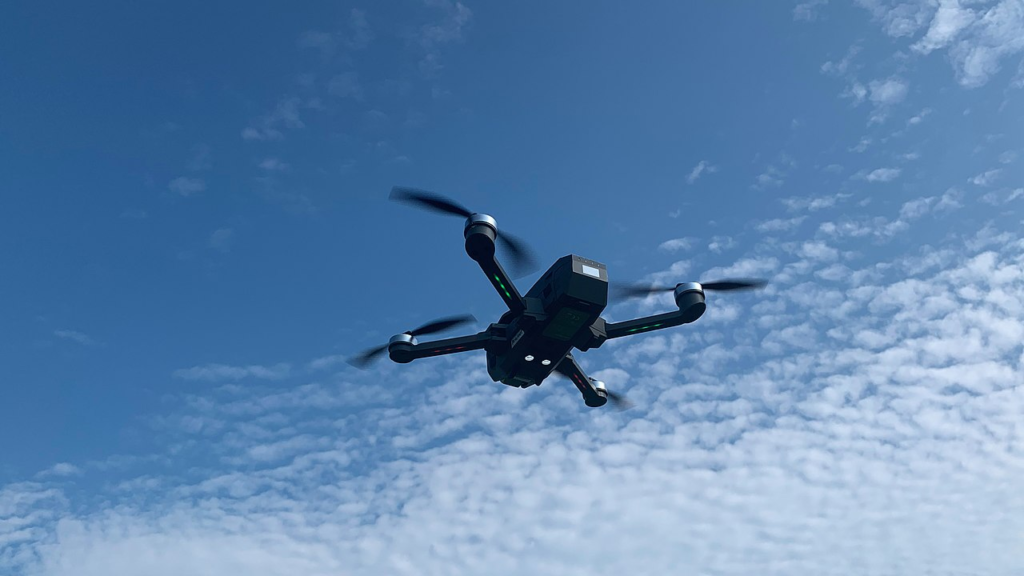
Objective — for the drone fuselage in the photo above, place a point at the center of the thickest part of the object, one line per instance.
(562, 309)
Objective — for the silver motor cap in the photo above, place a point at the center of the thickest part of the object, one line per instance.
(403, 339)
(485, 219)
(688, 287)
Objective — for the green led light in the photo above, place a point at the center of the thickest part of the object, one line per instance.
(643, 328)
(502, 286)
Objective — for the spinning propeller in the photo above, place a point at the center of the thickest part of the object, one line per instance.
(363, 360)
(635, 290)
(618, 400)
(522, 259)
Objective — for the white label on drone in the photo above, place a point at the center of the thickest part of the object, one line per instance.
(516, 338)
(591, 271)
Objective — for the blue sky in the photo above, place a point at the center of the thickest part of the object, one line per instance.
(197, 232)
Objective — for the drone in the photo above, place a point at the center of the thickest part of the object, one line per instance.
(560, 313)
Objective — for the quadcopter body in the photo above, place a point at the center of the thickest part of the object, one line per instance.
(560, 313)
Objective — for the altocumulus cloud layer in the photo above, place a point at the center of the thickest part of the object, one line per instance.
(858, 417)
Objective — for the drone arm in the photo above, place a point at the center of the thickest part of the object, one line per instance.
(691, 307)
(571, 370)
(403, 351)
(646, 324)
(480, 236)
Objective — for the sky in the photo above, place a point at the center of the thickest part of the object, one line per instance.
(196, 234)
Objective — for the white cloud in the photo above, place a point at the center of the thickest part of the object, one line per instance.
(882, 175)
(221, 240)
(780, 224)
(840, 67)
(884, 94)
(222, 372)
(949, 20)
(61, 469)
(986, 178)
(273, 164)
(719, 244)
(813, 203)
(770, 178)
(702, 167)
(677, 244)
(201, 158)
(284, 115)
(185, 186)
(978, 35)
(346, 85)
(861, 146)
(888, 92)
(1002, 197)
(914, 120)
(808, 10)
(74, 336)
(847, 433)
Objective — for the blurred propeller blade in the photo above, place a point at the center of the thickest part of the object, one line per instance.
(442, 324)
(369, 356)
(637, 290)
(735, 284)
(619, 401)
(429, 200)
(523, 261)
(366, 358)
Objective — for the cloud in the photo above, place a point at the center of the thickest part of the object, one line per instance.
(201, 158)
(185, 186)
(808, 11)
(273, 165)
(914, 120)
(842, 66)
(356, 36)
(74, 336)
(861, 146)
(770, 178)
(977, 35)
(62, 469)
(702, 167)
(221, 240)
(780, 224)
(1002, 197)
(268, 127)
(949, 20)
(222, 372)
(986, 178)
(882, 175)
(719, 244)
(455, 18)
(813, 203)
(816, 424)
(677, 244)
(884, 94)
(346, 85)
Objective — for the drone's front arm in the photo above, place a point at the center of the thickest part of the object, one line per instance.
(404, 348)
(691, 307)
(481, 232)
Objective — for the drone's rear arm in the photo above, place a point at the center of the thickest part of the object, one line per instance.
(404, 348)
